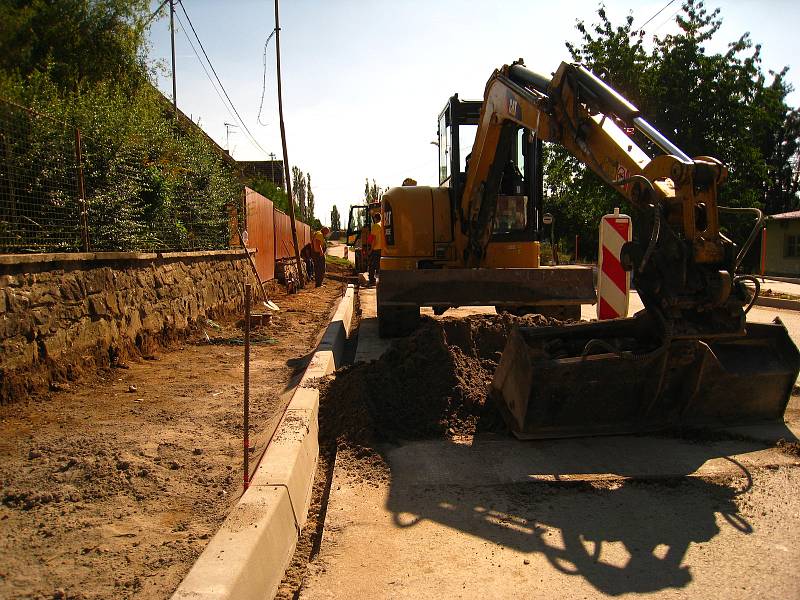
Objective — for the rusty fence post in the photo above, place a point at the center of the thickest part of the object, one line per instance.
(84, 217)
(248, 293)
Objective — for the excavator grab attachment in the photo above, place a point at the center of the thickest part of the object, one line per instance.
(617, 377)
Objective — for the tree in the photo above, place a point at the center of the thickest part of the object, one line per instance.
(372, 193)
(309, 199)
(336, 223)
(78, 43)
(720, 105)
(299, 193)
(272, 192)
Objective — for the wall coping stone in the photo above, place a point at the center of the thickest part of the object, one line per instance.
(58, 257)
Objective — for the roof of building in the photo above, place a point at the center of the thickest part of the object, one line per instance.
(789, 216)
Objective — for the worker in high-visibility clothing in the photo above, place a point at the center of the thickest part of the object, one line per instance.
(375, 241)
(318, 246)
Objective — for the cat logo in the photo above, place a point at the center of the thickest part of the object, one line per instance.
(514, 109)
(623, 173)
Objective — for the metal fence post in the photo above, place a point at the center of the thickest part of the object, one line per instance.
(81, 191)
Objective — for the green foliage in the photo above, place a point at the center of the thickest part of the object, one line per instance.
(78, 42)
(720, 105)
(373, 192)
(271, 191)
(336, 219)
(152, 182)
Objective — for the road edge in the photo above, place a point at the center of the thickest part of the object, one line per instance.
(248, 555)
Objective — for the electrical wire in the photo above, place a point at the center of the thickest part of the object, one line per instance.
(667, 20)
(642, 26)
(264, 80)
(249, 134)
(205, 70)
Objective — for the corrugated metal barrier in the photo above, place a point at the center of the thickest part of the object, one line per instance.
(269, 231)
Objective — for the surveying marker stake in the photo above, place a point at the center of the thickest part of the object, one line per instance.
(248, 291)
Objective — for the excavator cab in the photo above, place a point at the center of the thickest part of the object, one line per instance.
(517, 221)
(359, 219)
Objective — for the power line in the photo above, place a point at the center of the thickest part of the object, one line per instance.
(250, 135)
(202, 64)
(667, 20)
(264, 80)
(642, 26)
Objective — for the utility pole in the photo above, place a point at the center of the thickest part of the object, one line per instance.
(172, 41)
(283, 143)
(228, 135)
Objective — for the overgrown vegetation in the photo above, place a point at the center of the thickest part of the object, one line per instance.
(722, 105)
(152, 181)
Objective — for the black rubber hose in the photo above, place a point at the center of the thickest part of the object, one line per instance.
(756, 293)
(753, 234)
(656, 230)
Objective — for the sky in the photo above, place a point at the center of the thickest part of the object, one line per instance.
(364, 80)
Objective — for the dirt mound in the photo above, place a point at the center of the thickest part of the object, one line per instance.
(434, 383)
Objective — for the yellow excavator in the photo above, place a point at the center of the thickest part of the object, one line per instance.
(689, 358)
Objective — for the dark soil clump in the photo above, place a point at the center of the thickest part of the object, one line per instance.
(432, 384)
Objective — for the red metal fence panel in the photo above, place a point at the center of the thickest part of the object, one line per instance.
(260, 227)
(283, 235)
(270, 231)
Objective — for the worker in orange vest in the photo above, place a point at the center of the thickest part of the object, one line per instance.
(318, 247)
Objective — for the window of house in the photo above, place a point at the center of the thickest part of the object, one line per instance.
(791, 246)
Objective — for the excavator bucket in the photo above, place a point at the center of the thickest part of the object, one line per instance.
(617, 377)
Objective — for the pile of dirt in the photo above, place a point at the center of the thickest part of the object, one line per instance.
(432, 384)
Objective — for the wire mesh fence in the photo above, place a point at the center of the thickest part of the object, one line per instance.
(41, 207)
(63, 191)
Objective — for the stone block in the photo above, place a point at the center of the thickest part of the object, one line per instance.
(18, 300)
(71, 289)
(97, 305)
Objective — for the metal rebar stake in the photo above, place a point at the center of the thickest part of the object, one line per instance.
(248, 291)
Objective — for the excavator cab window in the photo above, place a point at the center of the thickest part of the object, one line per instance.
(358, 219)
(517, 217)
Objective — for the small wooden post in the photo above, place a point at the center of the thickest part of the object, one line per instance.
(248, 293)
(763, 251)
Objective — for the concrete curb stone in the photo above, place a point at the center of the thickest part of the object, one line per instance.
(246, 559)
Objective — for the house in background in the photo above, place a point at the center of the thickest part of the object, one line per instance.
(783, 244)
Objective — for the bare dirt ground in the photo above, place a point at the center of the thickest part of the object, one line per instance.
(111, 487)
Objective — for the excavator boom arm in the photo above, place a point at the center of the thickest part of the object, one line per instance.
(584, 115)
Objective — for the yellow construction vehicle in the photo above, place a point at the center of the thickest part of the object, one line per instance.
(689, 357)
(358, 222)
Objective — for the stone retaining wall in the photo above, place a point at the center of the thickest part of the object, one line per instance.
(62, 313)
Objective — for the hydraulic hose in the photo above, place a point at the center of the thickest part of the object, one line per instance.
(756, 293)
(656, 231)
(753, 234)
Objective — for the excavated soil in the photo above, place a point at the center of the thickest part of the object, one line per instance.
(112, 486)
(432, 384)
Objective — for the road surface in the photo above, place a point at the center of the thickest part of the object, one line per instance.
(586, 518)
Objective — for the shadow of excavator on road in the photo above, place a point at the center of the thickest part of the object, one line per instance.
(620, 535)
